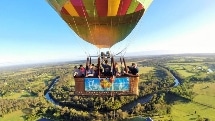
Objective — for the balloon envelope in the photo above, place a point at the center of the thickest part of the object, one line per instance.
(102, 23)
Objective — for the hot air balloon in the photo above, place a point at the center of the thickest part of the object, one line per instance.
(102, 23)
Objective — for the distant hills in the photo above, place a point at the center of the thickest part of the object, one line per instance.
(164, 52)
(128, 55)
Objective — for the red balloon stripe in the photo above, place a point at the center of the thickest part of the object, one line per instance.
(139, 7)
(102, 7)
(64, 11)
(123, 7)
(79, 7)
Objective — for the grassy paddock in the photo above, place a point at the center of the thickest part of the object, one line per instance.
(191, 111)
(185, 73)
(144, 70)
(205, 93)
(186, 69)
(193, 63)
(21, 95)
(203, 104)
(205, 100)
(24, 93)
(205, 88)
(15, 116)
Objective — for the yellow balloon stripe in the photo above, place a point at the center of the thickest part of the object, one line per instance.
(112, 28)
(70, 9)
(113, 6)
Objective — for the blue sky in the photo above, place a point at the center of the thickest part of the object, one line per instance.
(31, 31)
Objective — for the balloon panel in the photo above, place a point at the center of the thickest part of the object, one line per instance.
(103, 31)
(102, 23)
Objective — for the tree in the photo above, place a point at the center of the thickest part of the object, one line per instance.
(168, 110)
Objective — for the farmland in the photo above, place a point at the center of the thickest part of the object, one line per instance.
(22, 92)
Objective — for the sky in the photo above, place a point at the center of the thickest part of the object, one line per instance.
(31, 31)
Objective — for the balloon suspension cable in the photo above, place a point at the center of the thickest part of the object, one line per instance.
(140, 15)
(126, 44)
(129, 42)
(98, 52)
(124, 50)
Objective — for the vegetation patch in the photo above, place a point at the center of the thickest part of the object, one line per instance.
(19, 95)
(206, 88)
(15, 116)
(191, 111)
(144, 70)
(205, 94)
(22, 93)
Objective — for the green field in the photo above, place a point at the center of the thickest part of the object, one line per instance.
(205, 89)
(203, 104)
(15, 116)
(186, 112)
(201, 107)
(185, 73)
(206, 94)
(22, 94)
(144, 70)
(183, 69)
(188, 69)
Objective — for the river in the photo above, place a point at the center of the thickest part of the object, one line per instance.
(176, 82)
(47, 94)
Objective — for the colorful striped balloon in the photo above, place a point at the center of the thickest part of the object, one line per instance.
(102, 23)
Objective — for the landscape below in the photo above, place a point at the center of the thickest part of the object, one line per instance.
(23, 89)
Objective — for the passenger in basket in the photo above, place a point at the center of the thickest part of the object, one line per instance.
(134, 69)
(90, 72)
(116, 69)
(107, 68)
(82, 70)
(76, 72)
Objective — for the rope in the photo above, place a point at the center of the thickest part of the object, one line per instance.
(124, 43)
(129, 42)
